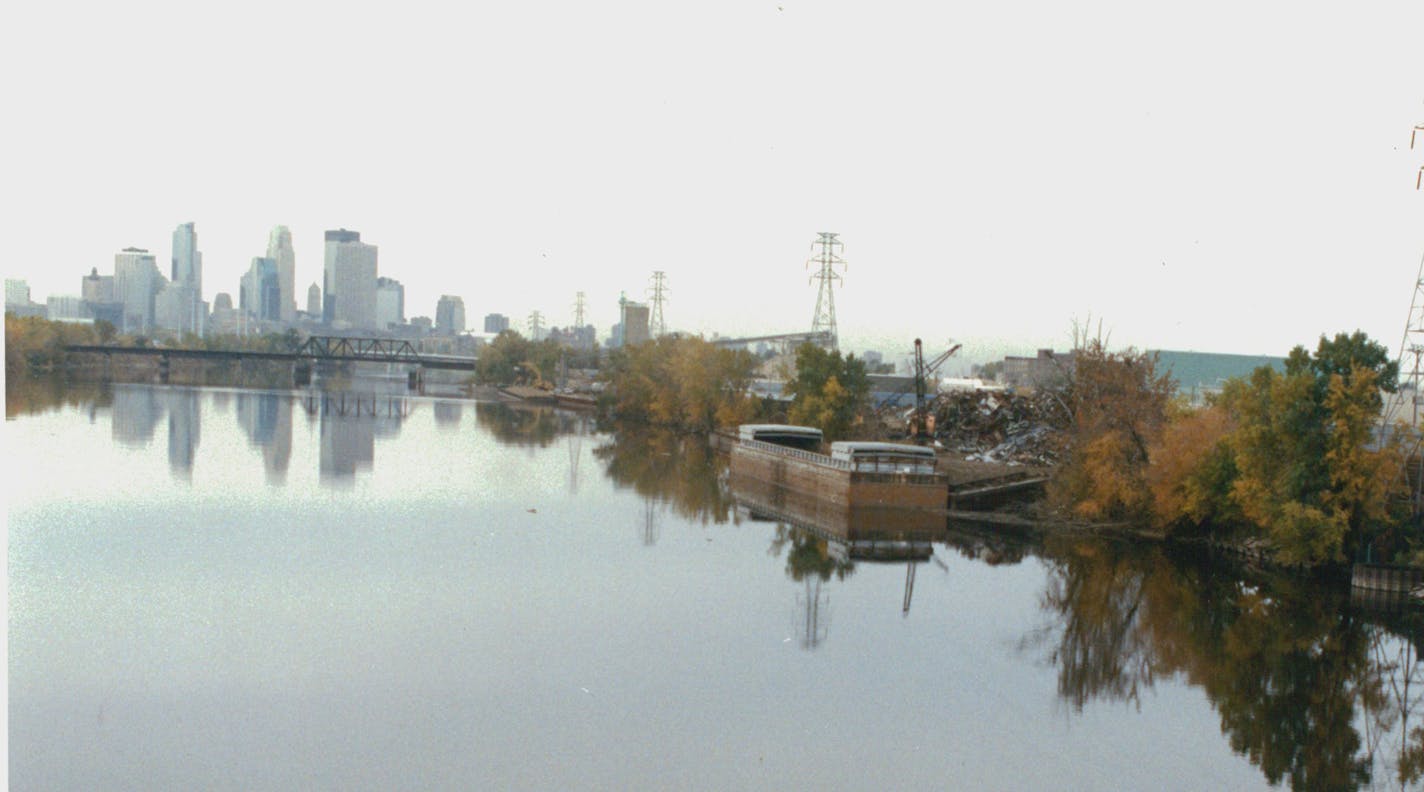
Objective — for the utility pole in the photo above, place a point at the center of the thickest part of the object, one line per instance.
(826, 262)
(656, 325)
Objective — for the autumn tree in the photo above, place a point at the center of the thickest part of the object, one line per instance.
(1191, 469)
(1113, 408)
(828, 391)
(680, 382)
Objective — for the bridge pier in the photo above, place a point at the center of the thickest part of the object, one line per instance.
(415, 380)
(301, 374)
(163, 364)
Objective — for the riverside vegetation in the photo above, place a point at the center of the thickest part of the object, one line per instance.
(1289, 460)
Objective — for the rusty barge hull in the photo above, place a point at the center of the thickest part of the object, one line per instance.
(821, 477)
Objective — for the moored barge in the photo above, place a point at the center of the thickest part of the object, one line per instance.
(855, 474)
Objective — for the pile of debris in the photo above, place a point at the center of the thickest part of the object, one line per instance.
(999, 426)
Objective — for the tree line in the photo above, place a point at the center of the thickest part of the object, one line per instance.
(1292, 458)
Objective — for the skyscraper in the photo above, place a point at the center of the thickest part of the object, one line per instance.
(450, 315)
(261, 291)
(496, 323)
(136, 282)
(279, 249)
(187, 261)
(182, 299)
(349, 290)
(390, 303)
(314, 301)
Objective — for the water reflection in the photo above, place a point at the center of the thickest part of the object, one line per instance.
(266, 419)
(1285, 662)
(682, 471)
(348, 425)
(824, 539)
(184, 428)
(31, 395)
(522, 425)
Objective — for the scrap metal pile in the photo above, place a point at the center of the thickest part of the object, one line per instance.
(999, 426)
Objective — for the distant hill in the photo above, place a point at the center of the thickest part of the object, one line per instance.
(1207, 370)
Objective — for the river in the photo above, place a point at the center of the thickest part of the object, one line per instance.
(361, 589)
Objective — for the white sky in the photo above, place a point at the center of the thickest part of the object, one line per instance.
(1219, 176)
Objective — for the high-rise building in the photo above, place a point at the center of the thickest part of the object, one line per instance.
(450, 315)
(279, 249)
(314, 301)
(261, 293)
(633, 317)
(187, 260)
(390, 303)
(17, 292)
(496, 323)
(96, 288)
(137, 282)
(177, 308)
(349, 291)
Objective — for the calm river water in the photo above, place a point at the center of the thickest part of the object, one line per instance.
(236, 589)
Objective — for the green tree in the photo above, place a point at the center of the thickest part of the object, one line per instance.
(829, 392)
(513, 359)
(1310, 478)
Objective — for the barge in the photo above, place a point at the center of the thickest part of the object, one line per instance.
(854, 475)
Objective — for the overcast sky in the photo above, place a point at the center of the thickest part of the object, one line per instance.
(1217, 176)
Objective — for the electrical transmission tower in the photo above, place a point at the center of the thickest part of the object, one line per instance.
(826, 262)
(578, 310)
(1403, 405)
(536, 325)
(658, 291)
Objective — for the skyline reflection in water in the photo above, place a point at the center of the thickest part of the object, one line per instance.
(462, 588)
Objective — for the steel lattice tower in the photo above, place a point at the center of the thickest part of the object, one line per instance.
(1403, 405)
(536, 324)
(826, 261)
(656, 325)
(578, 310)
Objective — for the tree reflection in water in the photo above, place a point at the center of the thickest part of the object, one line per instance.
(26, 395)
(1291, 670)
(523, 425)
(682, 471)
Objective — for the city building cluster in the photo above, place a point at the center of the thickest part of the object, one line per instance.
(352, 298)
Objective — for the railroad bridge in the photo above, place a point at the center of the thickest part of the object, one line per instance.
(315, 349)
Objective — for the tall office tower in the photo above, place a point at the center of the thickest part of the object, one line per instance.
(279, 249)
(496, 323)
(261, 291)
(314, 301)
(136, 282)
(349, 291)
(390, 303)
(180, 306)
(187, 260)
(450, 315)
